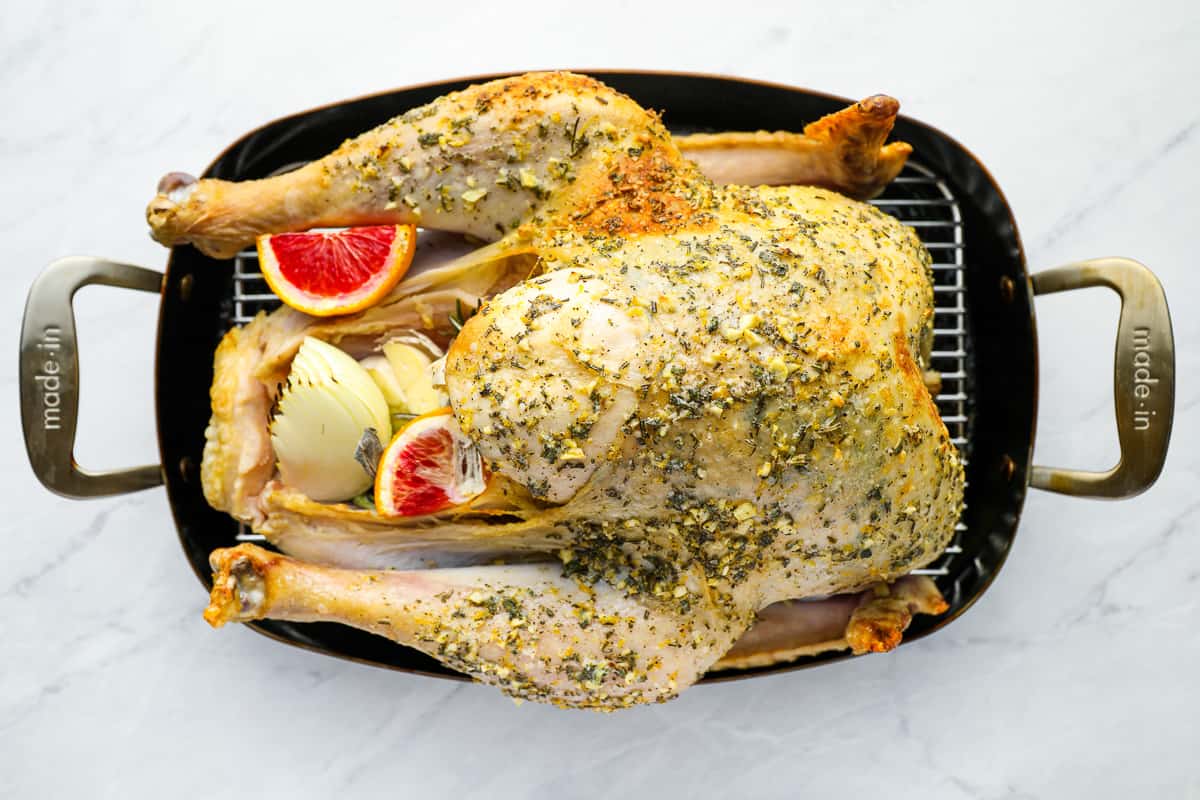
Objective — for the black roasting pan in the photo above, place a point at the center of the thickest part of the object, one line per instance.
(987, 337)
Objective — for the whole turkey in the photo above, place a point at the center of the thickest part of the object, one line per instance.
(697, 398)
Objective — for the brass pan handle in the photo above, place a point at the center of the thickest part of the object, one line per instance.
(49, 377)
(1143, 379)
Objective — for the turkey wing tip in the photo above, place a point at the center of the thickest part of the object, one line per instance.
(873, 621)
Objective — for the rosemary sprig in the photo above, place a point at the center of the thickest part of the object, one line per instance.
(577, 142)
(459, 318)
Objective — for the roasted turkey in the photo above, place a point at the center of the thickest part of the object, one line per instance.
(698, 398)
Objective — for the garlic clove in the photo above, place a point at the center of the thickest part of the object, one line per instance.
(385, 378)
(412, 368)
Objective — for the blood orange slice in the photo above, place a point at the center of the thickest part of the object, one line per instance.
(325, 273)
(430, 466)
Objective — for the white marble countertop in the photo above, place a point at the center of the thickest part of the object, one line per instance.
(1076, 675)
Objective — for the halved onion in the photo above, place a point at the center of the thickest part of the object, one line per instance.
(321, 414)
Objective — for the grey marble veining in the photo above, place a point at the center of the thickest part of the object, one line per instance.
(1074, 676)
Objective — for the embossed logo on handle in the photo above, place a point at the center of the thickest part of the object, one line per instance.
(48, 377)
(1143, 379)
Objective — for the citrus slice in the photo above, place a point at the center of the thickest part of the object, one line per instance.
(325, 273)
(430, 466)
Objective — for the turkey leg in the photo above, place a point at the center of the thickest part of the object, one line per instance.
(524, 628)
(480, 161)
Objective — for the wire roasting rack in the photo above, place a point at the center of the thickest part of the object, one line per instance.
(917, 198)
(921, 200)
